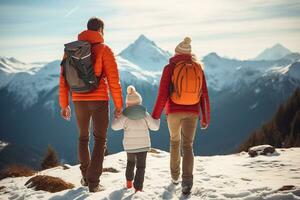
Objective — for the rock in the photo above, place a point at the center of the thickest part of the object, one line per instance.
(66, 166)
(261, 150)
(155, 151)
(287, 187)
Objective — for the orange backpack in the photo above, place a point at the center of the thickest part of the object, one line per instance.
(186, 83)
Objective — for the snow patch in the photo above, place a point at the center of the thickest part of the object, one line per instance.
(3, 145)
(257, 90)
(252, 107)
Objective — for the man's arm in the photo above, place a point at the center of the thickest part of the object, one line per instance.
(64, 95)
(112, 74)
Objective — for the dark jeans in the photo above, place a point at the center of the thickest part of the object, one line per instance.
(91, 166)
(138, 159)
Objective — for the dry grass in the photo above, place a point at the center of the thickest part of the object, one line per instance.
(16, 171)
(48, 183)
(110, 169)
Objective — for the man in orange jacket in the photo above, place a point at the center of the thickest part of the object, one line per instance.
(93, 105)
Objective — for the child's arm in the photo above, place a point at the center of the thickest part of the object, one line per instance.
(153, 124)
(118, 123)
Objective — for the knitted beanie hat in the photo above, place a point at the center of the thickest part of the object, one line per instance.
(133, 97)
(184, 47)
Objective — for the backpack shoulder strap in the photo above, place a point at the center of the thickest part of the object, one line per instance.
(101, 53)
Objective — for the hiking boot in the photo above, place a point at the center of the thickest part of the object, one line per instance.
(138, 190)
(129, 184)
(175, 182)
(83, 182)
(98, 188)
(186, 188)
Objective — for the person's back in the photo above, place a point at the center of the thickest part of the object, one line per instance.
(136, 122)
(183, 113)
(136, 131)
(93, 105)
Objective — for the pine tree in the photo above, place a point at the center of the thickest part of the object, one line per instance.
(283, 130)
(295, 130)
(51, 159)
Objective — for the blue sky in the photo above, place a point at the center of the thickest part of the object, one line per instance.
(35, 30)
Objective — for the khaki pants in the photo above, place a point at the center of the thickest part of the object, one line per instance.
(182, 128)
(91, 166)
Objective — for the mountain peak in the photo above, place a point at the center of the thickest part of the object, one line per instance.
(275, 52)
(213, 54)
(143, 38)
(144, 53)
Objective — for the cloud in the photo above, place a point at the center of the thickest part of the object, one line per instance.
(234, 28)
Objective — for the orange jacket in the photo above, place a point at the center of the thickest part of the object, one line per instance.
(103, 59)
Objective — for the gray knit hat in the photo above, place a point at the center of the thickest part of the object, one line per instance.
(184, 47)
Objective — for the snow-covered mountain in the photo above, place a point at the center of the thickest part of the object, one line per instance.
(236, 176)
(12, 65)
(243, 95)
(223, 73)
(27, 81)
(146, 54)
(275, 52)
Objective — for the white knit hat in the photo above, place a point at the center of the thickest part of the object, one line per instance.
(184, 47)
(133, 97)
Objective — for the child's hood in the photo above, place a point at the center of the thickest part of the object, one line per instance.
(135, 112)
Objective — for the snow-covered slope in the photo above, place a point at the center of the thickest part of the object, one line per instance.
(131, 73)
(12, 65)
(146, 54)
(275, 52)
(236, 176)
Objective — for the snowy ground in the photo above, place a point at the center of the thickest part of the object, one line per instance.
(234, 176)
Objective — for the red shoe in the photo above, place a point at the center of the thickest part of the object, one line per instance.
(129, 184)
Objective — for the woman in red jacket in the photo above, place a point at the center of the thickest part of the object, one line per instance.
(182, 119)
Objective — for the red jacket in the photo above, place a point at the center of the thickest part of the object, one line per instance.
(103, 59)
(163, 100)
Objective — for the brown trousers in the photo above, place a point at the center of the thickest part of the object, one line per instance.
(182, 128)
(98, 112)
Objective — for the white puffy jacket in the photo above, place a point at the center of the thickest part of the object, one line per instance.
(136, 132)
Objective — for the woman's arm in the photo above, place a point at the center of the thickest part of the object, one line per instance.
(205, 105)
(163, 92)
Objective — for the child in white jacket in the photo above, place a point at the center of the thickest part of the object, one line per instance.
(136, 122)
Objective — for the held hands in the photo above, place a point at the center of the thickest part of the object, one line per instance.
(204, 125)
(118, 112)
(66, 113)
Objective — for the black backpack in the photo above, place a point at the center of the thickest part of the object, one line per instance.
(78, 69)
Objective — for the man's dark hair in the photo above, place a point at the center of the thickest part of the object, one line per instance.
(95, 24)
